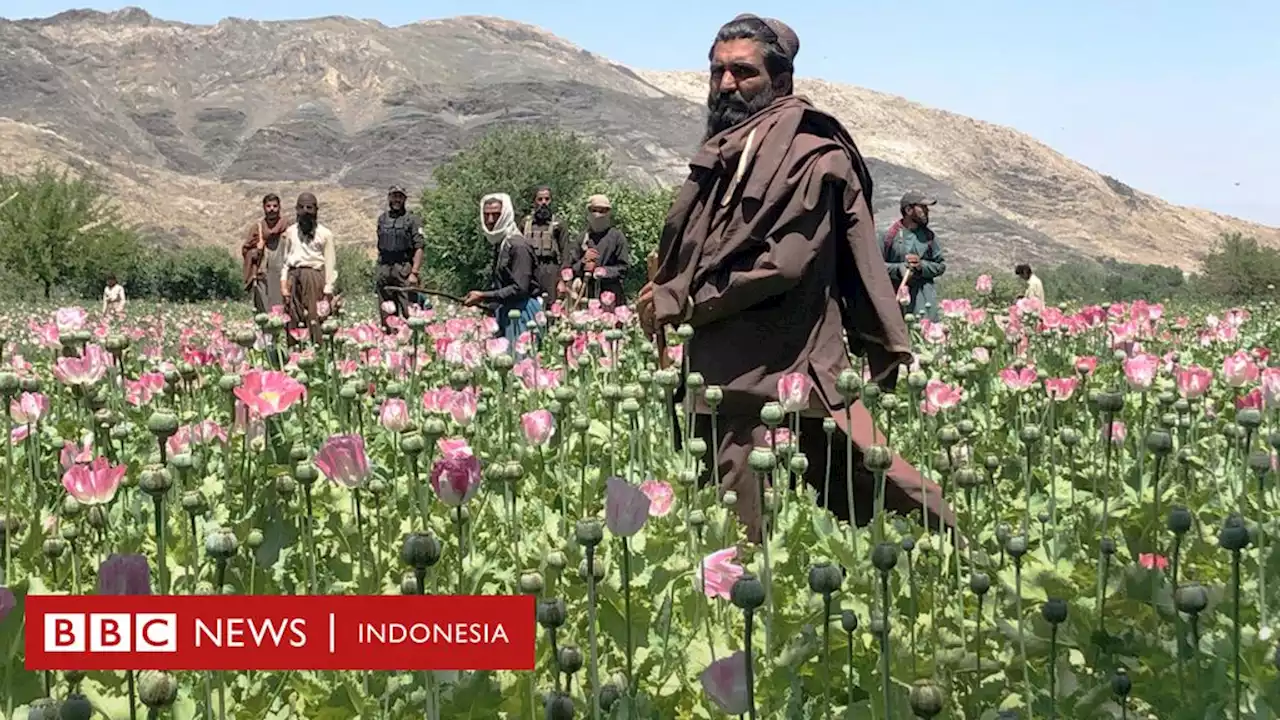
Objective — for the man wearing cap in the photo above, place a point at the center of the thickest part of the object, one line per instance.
(770, 254)
(546, 236)
(604, 255)
(912, 254)
(400, 243)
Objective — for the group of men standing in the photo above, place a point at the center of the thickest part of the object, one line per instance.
(290, 263)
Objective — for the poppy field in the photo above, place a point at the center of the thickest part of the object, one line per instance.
(1111, 469)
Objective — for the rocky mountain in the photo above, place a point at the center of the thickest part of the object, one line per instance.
(191, 124)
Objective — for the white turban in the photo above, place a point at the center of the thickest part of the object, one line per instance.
(506, 225)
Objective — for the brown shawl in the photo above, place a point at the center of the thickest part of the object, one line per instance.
(253, 253)
(792, 150)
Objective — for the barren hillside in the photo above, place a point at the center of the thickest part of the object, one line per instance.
(190, 125)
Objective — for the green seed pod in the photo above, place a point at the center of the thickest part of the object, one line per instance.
(581, 423)
(221, 543)
(849, 384)
(1249, 418)
(44, 709)
(531, 583)
(1121, 685)
(697, 519)
(979, 583)
(1069, 437)
(697, 447)
(76, 707)
(1191, 598)
(713, 395)
(878, 458)
(552, 613)
(53, 548)
(157, 689)
(556, 561)
(747, 592)
(771, 415)
(908, 544)
(597, 569)
(884, 556)
(1110, 402)
(967, 428)
(1016, 547)
(948, 436)
(1030, 435)
(286, 486)
(194, 502)
(629, 406)
(878, 626)
(1179, 520)
(306, 473)
(610, 694)
(695, 381)
(1260, 462)
(829, 425)
(967, 477)
(155, 480)
(1234, 536)
(569, 658)
(848, 621)
(1054, 611)
(255, 539)
(1160, 443)
(871, 395)
(889, 402)
(761, 460)
(825, 578)
(162, 424)
(348, 393)
(926, 699)
(729, 499)
(588, 532)
(799, 464)
(917, 380)
(420, 550)
(408, 584)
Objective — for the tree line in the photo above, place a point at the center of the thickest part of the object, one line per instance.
(60, 235)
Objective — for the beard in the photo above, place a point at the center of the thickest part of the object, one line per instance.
(724, 110)
(307, 223)
(922, 220)
(542, 214)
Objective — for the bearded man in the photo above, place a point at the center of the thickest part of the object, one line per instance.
(310, 266)
(544, 233)
(262, 255)
(400, 243)
(770, 253)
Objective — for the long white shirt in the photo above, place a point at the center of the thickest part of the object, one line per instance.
(317, 252)
(1035, 288)
(113, 298)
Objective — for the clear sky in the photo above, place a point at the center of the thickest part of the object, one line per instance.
(1180, 98)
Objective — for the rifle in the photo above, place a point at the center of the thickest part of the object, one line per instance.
(424, 291)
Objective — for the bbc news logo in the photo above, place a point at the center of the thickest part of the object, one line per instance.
(192, 632)
(111, 632)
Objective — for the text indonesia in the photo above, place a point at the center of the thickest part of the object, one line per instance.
(307, 632)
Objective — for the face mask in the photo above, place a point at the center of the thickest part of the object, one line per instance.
(599, 223)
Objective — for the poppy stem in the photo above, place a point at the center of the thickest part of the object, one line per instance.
(626, 605)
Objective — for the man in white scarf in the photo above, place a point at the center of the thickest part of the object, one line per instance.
(514, 285)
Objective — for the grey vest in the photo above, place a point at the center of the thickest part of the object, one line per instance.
(542, 238)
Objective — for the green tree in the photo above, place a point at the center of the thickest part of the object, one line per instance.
(54, 228)
(1240, 268)
(515, 161)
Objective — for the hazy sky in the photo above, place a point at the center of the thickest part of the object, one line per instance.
(1174, 97)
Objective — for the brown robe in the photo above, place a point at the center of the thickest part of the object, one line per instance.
(770, 253)
(252, 254)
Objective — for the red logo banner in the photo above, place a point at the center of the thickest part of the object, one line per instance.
(280, 632)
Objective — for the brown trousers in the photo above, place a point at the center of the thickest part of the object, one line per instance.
(306, 289)
(905, 487)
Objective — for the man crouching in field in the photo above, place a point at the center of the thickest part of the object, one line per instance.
(310, 266)
(770, 253)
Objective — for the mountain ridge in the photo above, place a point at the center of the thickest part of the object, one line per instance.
(213, 116)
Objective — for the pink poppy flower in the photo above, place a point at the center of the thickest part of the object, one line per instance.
(1238, 369)
(1140, 370)
(394, 415)
(717, 573)
(462, 406)
(939, 396)
(1152, 561)
(1018, 380)
(661, 497)
(1061, 389)
(76, 454)
(1115, 433)
(453, 447)
(539, 427)
(70, 319)
(725, 682)
(94, 483)
(342, 459)
(793, 392)
(1086, 365)
(983, 285)
(1271, 388)
(85, 370)
(29, 408)
(1193, 381)
(269, 392)
(1251, 399)
(456, 478)
(626, 507)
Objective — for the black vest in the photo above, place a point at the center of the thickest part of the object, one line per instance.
(395, 235)
(542, 238)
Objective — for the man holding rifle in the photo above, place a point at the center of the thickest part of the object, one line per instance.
(400, 243)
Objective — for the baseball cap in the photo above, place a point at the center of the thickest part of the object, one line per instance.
(397, 189)
(915, 198)
(599, 201)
